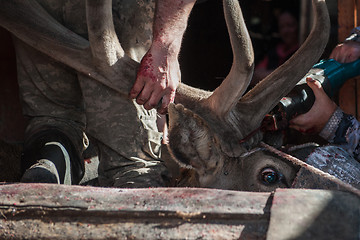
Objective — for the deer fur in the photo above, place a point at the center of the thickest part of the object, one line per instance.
(206, 128)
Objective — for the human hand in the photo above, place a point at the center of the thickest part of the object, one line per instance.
(346, 52)
(316, 118)
(157, 79)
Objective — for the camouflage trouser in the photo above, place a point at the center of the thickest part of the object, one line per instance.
(55, 96)
(129, 143)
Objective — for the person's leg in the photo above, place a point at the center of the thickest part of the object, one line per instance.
(126, 136)
(116, 170)
(129, 141)
(50, 155)
(52, 100)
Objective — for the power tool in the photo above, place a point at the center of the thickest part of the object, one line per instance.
(330, 73)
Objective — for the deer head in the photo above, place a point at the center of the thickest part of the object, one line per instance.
(207, 129)
(215, 133)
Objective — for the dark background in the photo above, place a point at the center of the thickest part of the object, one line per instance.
(206, 55)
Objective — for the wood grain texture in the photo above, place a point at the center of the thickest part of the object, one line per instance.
(48, 211)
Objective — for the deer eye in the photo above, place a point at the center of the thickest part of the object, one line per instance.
(269, 176)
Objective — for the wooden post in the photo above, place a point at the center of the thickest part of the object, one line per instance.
(348, 12)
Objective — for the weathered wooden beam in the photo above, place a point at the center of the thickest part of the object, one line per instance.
(304, 214)
(46, 211)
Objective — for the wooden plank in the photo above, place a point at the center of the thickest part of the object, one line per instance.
(357, 13)
(313, 214)
(346, 22)
(346, 18)
(48, 211)
(357, 23)
(347, 97)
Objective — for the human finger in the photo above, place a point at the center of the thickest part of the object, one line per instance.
(144, 95)
(137, 87)
(153, 101)
(166, 100)
(335, 53)
(315, 86)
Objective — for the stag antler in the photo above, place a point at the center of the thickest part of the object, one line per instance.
(104, 43)
(252, 107)
(233, 116)
(32, 24)
(226, 96)
(265, 95)
(98, 59)
(234, 85)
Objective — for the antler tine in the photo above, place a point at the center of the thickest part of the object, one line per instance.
(234, 85)
(27, 20)
(265, 95)
(104, 43)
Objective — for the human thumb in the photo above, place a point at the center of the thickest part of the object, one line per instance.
(315, 87)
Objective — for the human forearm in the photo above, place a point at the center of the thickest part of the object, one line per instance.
(159, 72)
(170, 23)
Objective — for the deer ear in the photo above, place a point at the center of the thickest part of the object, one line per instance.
(190, 140)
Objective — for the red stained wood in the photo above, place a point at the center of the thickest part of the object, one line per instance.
(40, 211)
(48, 211)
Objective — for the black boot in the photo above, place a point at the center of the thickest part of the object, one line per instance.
(49, 158)
(52, 167)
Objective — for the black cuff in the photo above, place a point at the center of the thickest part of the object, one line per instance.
(354, 36)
